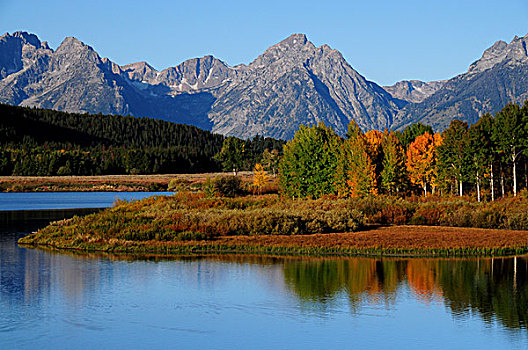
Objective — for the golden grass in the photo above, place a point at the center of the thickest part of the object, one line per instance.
(120, 183)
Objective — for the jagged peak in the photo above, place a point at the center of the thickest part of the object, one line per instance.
(499, 52)
(26, 37)
(500, 44)
(206, 58)
(139, 65)
(71, 42)
(287, 48)
(295, 39)
(328, 51)
(294, 42)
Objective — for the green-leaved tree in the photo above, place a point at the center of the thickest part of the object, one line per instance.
(308, 165)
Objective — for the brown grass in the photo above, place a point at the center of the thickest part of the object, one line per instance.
(393, 238)
(120, 183)
(387, 241)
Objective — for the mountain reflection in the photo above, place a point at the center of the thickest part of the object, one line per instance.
(495, 289)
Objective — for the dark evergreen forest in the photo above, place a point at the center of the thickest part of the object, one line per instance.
(47, 142)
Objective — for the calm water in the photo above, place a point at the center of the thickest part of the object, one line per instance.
(50, 300)
(66, 200)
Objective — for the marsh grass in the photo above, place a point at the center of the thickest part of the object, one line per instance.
(193, 222)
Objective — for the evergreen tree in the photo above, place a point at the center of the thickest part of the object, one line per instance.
(410, 133)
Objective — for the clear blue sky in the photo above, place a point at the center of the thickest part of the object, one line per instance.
(384, 40)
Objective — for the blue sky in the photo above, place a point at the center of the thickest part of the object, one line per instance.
(384, 40)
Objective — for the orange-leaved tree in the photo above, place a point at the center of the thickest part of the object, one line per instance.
(421, 160)
(355, 173)
(374, 139)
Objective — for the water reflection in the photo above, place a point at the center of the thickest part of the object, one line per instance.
(120, 296)
(494, 288)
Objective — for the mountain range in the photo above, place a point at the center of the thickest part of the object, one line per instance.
(289, 84)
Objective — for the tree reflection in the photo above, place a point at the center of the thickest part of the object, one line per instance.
(496, 289)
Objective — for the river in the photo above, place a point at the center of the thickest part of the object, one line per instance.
(65, 300)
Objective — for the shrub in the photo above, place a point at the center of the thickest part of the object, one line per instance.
(517, 221)
(344, 220)
(209, 188)
(228, 186)
(427, 215)
(178, 185)
(193, 236)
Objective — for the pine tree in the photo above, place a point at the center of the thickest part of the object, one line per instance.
(410, 133)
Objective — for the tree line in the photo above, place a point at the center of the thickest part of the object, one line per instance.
(47, 142)
(487, 159)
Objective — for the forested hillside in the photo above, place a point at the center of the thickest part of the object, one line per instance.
(48, 142)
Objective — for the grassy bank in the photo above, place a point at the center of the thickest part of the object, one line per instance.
(191, 223)
(105, 183)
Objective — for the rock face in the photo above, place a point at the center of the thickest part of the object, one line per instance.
(75, 79)
(294, 83)
(498, 77)
(291, 83)
(413, 90)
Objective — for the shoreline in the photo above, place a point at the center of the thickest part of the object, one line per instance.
(397, 241)
(105, 183)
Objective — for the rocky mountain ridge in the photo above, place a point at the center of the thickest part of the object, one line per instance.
(498, 77)
(289, 84)
(414, 90)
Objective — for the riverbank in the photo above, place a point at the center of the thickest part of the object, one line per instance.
(192, 223)
(380, 241)
(105, 183)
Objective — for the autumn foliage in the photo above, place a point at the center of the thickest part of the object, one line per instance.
(486, 160)
(421, 160)
(318, 162)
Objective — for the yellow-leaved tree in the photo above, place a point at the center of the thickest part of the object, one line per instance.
(259, 177)
(355, 174)
(421, 160)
